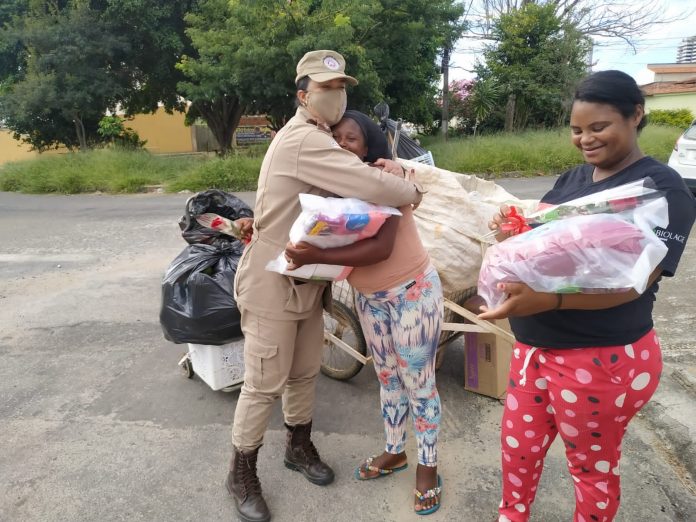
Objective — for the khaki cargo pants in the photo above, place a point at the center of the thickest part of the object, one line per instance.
(282, 358)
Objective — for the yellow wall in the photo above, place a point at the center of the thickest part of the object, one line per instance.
(163, 132)
(672, 101)
(13, 150)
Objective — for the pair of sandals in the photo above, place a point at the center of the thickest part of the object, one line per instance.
(432, 493)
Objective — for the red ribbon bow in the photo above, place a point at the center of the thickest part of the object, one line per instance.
(516, 222)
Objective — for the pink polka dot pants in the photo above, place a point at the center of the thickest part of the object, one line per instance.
(586, 395)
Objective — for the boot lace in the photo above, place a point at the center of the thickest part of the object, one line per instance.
(250, 479)
(310, 451)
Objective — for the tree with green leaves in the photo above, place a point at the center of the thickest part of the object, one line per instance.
(156, 34)
(64, 63)
(536, 60)
(68, 81)
(12, 54)
(211, 77)
(246, 52)
(484, 97)
(113, 130)
(408, 47)
(606, 19)
(471, 101)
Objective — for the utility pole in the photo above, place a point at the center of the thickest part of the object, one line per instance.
(445, 90)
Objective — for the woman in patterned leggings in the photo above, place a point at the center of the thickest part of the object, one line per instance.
(399, 302)
(585, 364)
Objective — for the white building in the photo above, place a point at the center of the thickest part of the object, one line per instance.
(686, 53)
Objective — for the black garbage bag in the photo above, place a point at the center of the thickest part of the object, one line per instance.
(198, 303)
(216, 202)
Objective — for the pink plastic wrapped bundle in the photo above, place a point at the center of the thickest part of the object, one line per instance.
(331, 223)
(589, 254)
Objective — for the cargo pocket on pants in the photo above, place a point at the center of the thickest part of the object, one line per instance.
(257, 358)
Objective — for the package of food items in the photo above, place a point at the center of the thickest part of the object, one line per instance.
(331, 223)
(602, 243)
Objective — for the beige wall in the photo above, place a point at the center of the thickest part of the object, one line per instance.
(672, 101)
(673, 76)
(165, 133)
(13, 150)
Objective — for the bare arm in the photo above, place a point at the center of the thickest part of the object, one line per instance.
(363, 253)
(523, 301)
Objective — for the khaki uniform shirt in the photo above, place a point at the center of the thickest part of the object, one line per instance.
(303, 158)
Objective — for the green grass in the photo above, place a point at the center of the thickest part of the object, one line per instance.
(117, 171)
(235, 173)
(658, 141)
(531, 152)
(98, 170)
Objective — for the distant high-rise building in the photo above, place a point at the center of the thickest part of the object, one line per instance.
(687, 50)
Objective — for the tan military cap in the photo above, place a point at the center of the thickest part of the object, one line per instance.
(322, 66)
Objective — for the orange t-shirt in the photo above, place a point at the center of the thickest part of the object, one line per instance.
(407, 260)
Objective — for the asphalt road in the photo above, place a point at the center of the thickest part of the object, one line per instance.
(98, 424)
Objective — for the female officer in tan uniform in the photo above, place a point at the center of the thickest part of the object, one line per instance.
(282, 317)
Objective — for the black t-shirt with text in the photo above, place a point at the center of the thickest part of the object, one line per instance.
(628, 322)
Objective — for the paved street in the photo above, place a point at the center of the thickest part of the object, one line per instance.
(99, 425)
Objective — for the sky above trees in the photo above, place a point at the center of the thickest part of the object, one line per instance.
(658, 45)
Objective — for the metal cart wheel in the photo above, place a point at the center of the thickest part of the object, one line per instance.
(342, 323)
(186, 367)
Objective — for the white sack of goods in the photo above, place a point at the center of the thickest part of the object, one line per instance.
(453, 221)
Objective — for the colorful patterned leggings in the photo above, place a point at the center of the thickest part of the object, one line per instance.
(589, 395)
(402, 329)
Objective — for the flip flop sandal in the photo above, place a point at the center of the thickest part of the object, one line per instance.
(435, 492)
(367, 466)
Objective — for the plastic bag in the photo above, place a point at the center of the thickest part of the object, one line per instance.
(336, 222)
(313, 272)
(624, 198)
(211, 202)
(609, 252)
(198, 303)
(331, 223)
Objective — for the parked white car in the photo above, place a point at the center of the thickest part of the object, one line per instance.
(683, 158)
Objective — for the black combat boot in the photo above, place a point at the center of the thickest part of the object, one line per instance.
(302, 456)
(243, 484)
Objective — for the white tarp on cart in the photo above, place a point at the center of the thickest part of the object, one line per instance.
(453, 219)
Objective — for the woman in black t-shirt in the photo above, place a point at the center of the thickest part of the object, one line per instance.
(585, 364)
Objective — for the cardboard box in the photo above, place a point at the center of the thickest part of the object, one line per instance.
(487, 362)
